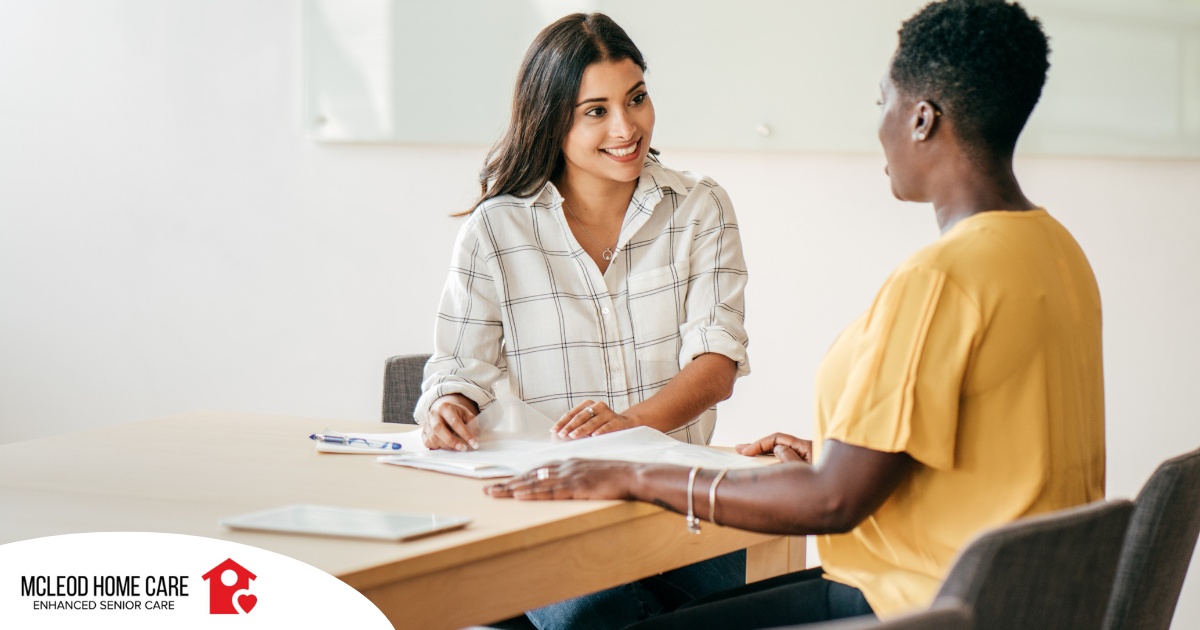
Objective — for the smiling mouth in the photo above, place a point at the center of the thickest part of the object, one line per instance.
(625, 151)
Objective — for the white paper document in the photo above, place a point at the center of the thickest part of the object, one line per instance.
(514, 438)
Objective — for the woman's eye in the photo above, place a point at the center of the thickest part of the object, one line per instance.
(639, 98)
(595, 112)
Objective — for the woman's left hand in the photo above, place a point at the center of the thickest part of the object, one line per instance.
(590, 418)
(572, 479)
(788, 448)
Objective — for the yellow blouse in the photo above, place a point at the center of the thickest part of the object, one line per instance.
(981, 359)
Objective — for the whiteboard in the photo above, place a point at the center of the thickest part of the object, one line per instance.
(773, 75)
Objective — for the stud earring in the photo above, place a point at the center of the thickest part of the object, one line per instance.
(918, 136)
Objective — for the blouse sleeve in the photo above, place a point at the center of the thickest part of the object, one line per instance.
(715, 305)
(905, 378)
(467, 357)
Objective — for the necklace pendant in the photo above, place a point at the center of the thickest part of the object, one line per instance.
(607, 255)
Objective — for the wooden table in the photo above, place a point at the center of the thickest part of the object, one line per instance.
(182, 473)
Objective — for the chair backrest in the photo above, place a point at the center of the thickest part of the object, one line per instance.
(1158, 547)
(402, 386)
(1052, 571)
(945, 614)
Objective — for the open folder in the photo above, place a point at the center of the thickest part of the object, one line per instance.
(514, 438)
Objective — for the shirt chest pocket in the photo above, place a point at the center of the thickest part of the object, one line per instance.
(656, 308)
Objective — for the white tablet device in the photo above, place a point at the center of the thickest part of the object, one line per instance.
(324, 520)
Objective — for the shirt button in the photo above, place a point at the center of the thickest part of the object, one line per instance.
(604, 310)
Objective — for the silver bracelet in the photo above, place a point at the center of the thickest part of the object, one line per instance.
(712, 496)
(693, 523)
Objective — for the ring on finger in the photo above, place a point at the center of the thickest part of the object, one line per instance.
(591, 411)
(543, 474)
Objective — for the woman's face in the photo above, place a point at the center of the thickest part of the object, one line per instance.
(896, 128)
(611, 125)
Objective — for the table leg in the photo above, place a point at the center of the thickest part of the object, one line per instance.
(775, 557)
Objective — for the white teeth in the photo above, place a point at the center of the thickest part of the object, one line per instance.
(621, 152)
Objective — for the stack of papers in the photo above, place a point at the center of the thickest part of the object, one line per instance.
(529, 444)
(497, 456)
(438, 463)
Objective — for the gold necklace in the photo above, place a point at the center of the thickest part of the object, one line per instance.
(608, 252)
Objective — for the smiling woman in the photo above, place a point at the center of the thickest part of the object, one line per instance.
(604, 289)
(606, 146)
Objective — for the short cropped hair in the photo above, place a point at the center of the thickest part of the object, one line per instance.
(983, 62)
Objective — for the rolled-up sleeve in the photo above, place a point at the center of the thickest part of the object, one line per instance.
(715, 305)
(468, 356)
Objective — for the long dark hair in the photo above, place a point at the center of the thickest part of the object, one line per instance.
(529, 154)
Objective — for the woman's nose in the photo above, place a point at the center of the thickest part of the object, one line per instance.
(622, 125)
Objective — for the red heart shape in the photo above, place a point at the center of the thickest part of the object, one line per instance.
(247, 602)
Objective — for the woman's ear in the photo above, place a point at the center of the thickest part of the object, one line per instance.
(925, 120)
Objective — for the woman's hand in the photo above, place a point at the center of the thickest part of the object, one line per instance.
(446, 427)
(572, 479)
(786, 447)
(590, 418)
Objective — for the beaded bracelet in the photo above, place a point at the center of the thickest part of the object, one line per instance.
(693, 523)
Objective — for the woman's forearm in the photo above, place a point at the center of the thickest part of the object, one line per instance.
(704, 382)
(783, 499)
(794, 498)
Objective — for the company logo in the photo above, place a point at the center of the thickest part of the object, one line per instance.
(229, 589)
(152, 580)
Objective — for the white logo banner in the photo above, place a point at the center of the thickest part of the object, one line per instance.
(132, 580)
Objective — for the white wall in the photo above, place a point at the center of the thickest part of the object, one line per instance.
(168, 242)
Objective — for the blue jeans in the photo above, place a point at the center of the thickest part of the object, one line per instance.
(629, 603)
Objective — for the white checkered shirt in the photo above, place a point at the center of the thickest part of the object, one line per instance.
(523, 301)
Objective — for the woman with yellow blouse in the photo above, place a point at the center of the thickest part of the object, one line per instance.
(969, 395)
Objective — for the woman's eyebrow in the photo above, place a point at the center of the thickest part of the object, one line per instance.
(605, 99)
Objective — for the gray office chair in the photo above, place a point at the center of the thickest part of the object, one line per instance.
(945, 614)
(1053, 571)
(1158, 547)
(402, 378)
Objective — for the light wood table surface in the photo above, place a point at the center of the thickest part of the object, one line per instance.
(182, 473)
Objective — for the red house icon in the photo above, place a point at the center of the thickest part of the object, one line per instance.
(224, 581)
